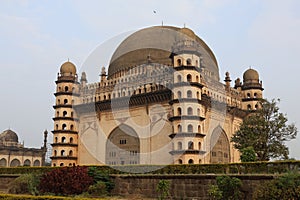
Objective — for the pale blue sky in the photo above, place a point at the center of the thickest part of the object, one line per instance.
(38, 36)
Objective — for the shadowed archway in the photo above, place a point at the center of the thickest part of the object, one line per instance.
(220, 148)
(122, 147)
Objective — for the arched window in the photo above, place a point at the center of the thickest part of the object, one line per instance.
(27, 163)
(189, 94)
(191, 161)
(71, 140)
(72, 127)
(188, 62)
(179, 128)
(55, 153)
(70, 153)
(58, 101)
(72, 114)
(248, 95)
(197, 63)
(199, 145)
(255, 95)
(256, 106)
(57, 114)
(179, 111)
(62, 152)
(61, 164)
(198, 95)
(179, 95)
(36, 163)
(190, 145)
(65, 101)
(198, 111)
(65, 113)
(190, 128)
(64, 126)
(189, 78)
(56, 126)
(63, 139)
(179, 78)
(104, 97)
(179, 62)
(199, 129)
(66, 89)
(190, 111)
(179, 161)
(56, 140)
(179, 146)
(249, 107)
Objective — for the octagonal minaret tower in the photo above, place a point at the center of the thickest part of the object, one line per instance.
(187, 119)
(65, 133)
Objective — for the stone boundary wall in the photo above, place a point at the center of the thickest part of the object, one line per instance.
(5, 179)
(182, 186)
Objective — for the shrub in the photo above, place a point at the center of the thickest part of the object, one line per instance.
(284, 187)
(98, 189)
(66, 181)
(226, 188)
(24, 184)
(214, 192)
(102, 176)
(163, 188)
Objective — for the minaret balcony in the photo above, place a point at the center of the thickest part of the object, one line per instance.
(66, 93)
(63, 106)
(187, 134)
(63, 157)
(65, 131)
(65, 118)
(186, 117)
(64, 144)
(188, 151)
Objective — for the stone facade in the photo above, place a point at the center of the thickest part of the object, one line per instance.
(161, 102)
(181, 186)
(14, 154)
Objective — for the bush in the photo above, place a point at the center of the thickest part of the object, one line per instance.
(24, 184)
(98, 189)
(66, 181)
(101, 176)
(226, 188)
(284, 187)
(215, 193)
(163, 188)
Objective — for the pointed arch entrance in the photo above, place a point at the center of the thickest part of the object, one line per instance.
(220, 147)
(122, 147)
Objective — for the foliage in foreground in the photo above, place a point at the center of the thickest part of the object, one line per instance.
(266, 130)
(228, 188)
(163, 189)
(66, 181)
(285, 187)
(25, 184)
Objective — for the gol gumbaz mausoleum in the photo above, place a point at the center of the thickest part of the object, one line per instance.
(162, 101)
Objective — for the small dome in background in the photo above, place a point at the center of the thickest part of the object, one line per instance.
(9, 136)
(68, 68)
(251, 75)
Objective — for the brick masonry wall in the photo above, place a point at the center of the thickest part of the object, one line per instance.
(182, 186)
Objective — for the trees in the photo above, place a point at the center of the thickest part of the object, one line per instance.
(266, 130)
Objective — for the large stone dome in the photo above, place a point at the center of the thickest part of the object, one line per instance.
(9, 136)
(157, 43)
